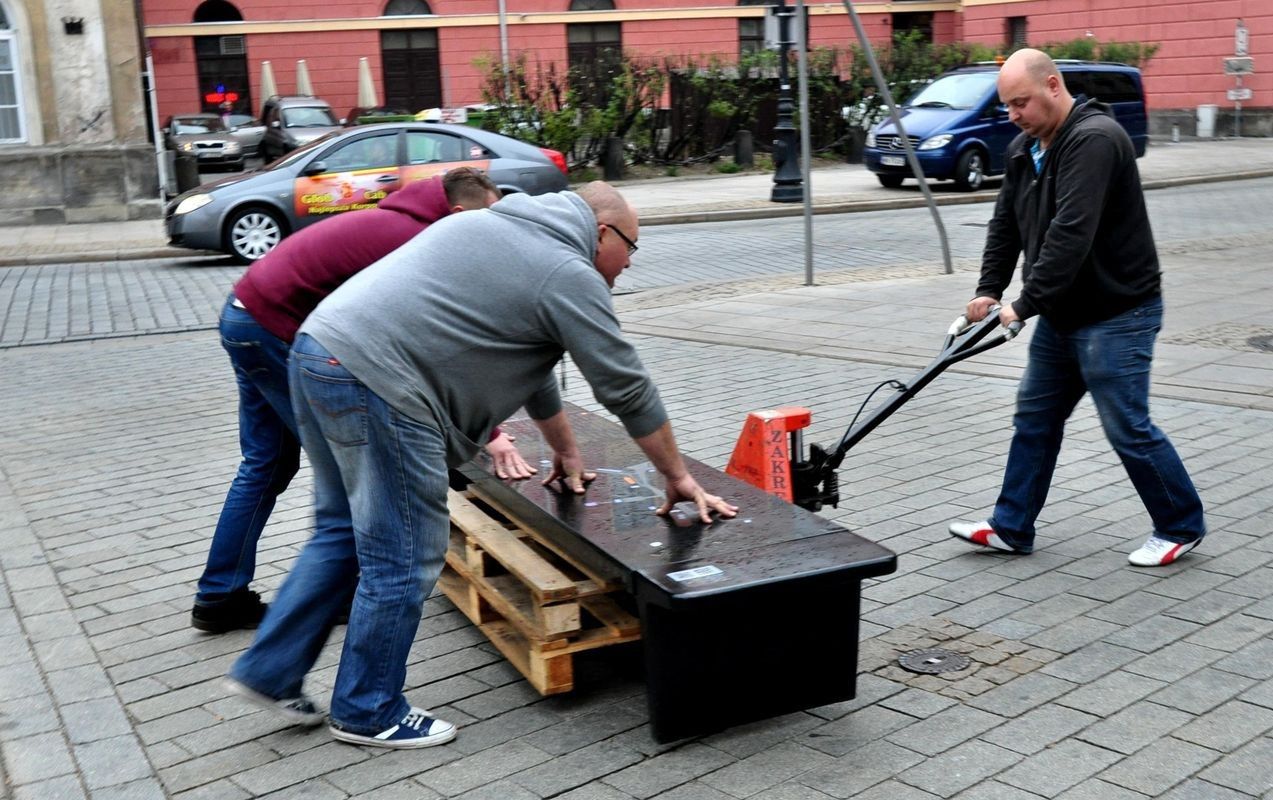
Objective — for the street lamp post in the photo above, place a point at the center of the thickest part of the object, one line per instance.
(788, 183)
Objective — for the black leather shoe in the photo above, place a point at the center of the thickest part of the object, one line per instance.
(241, 609)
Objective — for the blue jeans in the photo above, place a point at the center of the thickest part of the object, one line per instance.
(380, 486)
(1110, 360)
(271, 452)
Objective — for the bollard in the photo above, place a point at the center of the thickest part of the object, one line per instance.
(1175, 134)
(744, 150)
(612, 159)
(187, 168)
(855, 144)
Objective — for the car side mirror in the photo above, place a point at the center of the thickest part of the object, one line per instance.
(275, 124)
(343, 121)
(314, 168)
(164, 131)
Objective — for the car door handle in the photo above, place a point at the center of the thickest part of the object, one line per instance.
(387, 179)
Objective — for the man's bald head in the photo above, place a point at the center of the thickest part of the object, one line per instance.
(616, 228)
(607, 204)
(1035, 65)
(1035, 94)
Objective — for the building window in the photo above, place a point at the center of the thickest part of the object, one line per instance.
(920, 22)
(594, 51)
(411, 60)
(217, 11)
(751, 30)
(407, 8)
(412, 69)
(1015, 32)
(11, 123)
(222, 63)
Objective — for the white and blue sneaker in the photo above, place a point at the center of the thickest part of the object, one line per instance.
(1156, 552)
(299, 710)
(417, 729)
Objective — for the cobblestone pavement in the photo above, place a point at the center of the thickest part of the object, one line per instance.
(1091, 680)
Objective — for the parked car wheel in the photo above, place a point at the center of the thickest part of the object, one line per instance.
(890, 181)
(970, 171)
(251, 233)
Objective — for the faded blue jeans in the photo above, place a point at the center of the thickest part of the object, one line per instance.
(380, 486)
(267, 440)
(1111, 360)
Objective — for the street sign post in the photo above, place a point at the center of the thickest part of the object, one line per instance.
(1241, 64)
(1244, 65)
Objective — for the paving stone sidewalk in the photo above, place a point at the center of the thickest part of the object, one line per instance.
(1092, 680)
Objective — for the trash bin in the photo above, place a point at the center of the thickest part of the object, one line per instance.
(187, 169)
(1207, 121)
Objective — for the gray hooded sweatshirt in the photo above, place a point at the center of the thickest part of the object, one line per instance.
(463, 324)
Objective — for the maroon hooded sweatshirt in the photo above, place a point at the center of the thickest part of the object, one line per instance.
(282, 288)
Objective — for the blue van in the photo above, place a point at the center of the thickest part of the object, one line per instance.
(960, 130)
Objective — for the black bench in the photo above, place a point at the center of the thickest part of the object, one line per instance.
(742, 619)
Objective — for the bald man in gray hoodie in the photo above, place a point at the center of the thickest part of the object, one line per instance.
(400, 373)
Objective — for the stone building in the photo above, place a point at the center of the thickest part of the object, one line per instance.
(425, 53)
(73, 136)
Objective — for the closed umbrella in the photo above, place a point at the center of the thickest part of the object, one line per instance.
(268, 87)
(366, 89)
(303, 86)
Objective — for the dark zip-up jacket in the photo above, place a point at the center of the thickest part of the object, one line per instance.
(1082, 223)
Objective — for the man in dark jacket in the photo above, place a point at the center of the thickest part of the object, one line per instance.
(258, 324)
(1072, 201)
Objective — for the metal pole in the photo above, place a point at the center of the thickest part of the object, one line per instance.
(901, 131)
(805, 149)
(787, 188)
(1237, 111)
(160, 161)
(503, 50)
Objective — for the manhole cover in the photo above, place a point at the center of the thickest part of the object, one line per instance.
(932, 662)
(1262, 343)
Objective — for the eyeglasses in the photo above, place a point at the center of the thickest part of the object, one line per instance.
(632, 246)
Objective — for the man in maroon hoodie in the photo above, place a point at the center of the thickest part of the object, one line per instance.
(257, 326)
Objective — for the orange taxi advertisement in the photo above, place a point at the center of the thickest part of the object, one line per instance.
(335, 192)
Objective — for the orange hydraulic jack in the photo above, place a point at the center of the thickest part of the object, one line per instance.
(762, 456)
(770, 452)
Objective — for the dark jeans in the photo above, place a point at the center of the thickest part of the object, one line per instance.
(268, 442)
(1111, 360)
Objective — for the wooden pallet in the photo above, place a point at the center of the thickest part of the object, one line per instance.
(533, 603)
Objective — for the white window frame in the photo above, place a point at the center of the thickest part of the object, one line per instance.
(9, 39)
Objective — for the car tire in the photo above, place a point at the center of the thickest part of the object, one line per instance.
(970, 170)
(890, 181)
(252, 232)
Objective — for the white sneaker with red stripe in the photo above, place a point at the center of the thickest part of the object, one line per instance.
(981, 533)
(1156, 552)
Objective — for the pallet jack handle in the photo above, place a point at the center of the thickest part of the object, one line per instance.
(815, 482)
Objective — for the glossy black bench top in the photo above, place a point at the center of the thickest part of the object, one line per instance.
(770, 540)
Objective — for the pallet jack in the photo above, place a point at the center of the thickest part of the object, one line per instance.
(769, 453)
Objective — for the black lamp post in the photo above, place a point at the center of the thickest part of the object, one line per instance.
(788, 183)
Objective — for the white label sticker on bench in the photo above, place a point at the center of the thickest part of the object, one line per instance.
(694, 574)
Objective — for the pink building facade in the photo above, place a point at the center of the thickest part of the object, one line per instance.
(431, 52)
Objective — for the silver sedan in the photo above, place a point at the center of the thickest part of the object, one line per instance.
(246, 215)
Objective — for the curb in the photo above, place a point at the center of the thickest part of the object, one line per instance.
(763, 209)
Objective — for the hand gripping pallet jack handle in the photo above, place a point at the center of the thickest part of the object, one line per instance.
(812, 482)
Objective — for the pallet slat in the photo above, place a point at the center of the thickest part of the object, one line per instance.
(534, 604)
(543, 580)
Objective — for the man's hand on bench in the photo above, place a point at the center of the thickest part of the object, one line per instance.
(507, 460)
(686, 488)
(569, 470)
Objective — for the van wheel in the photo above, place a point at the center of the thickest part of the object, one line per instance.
(251, 233)
(890, 181)
(970, 171)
